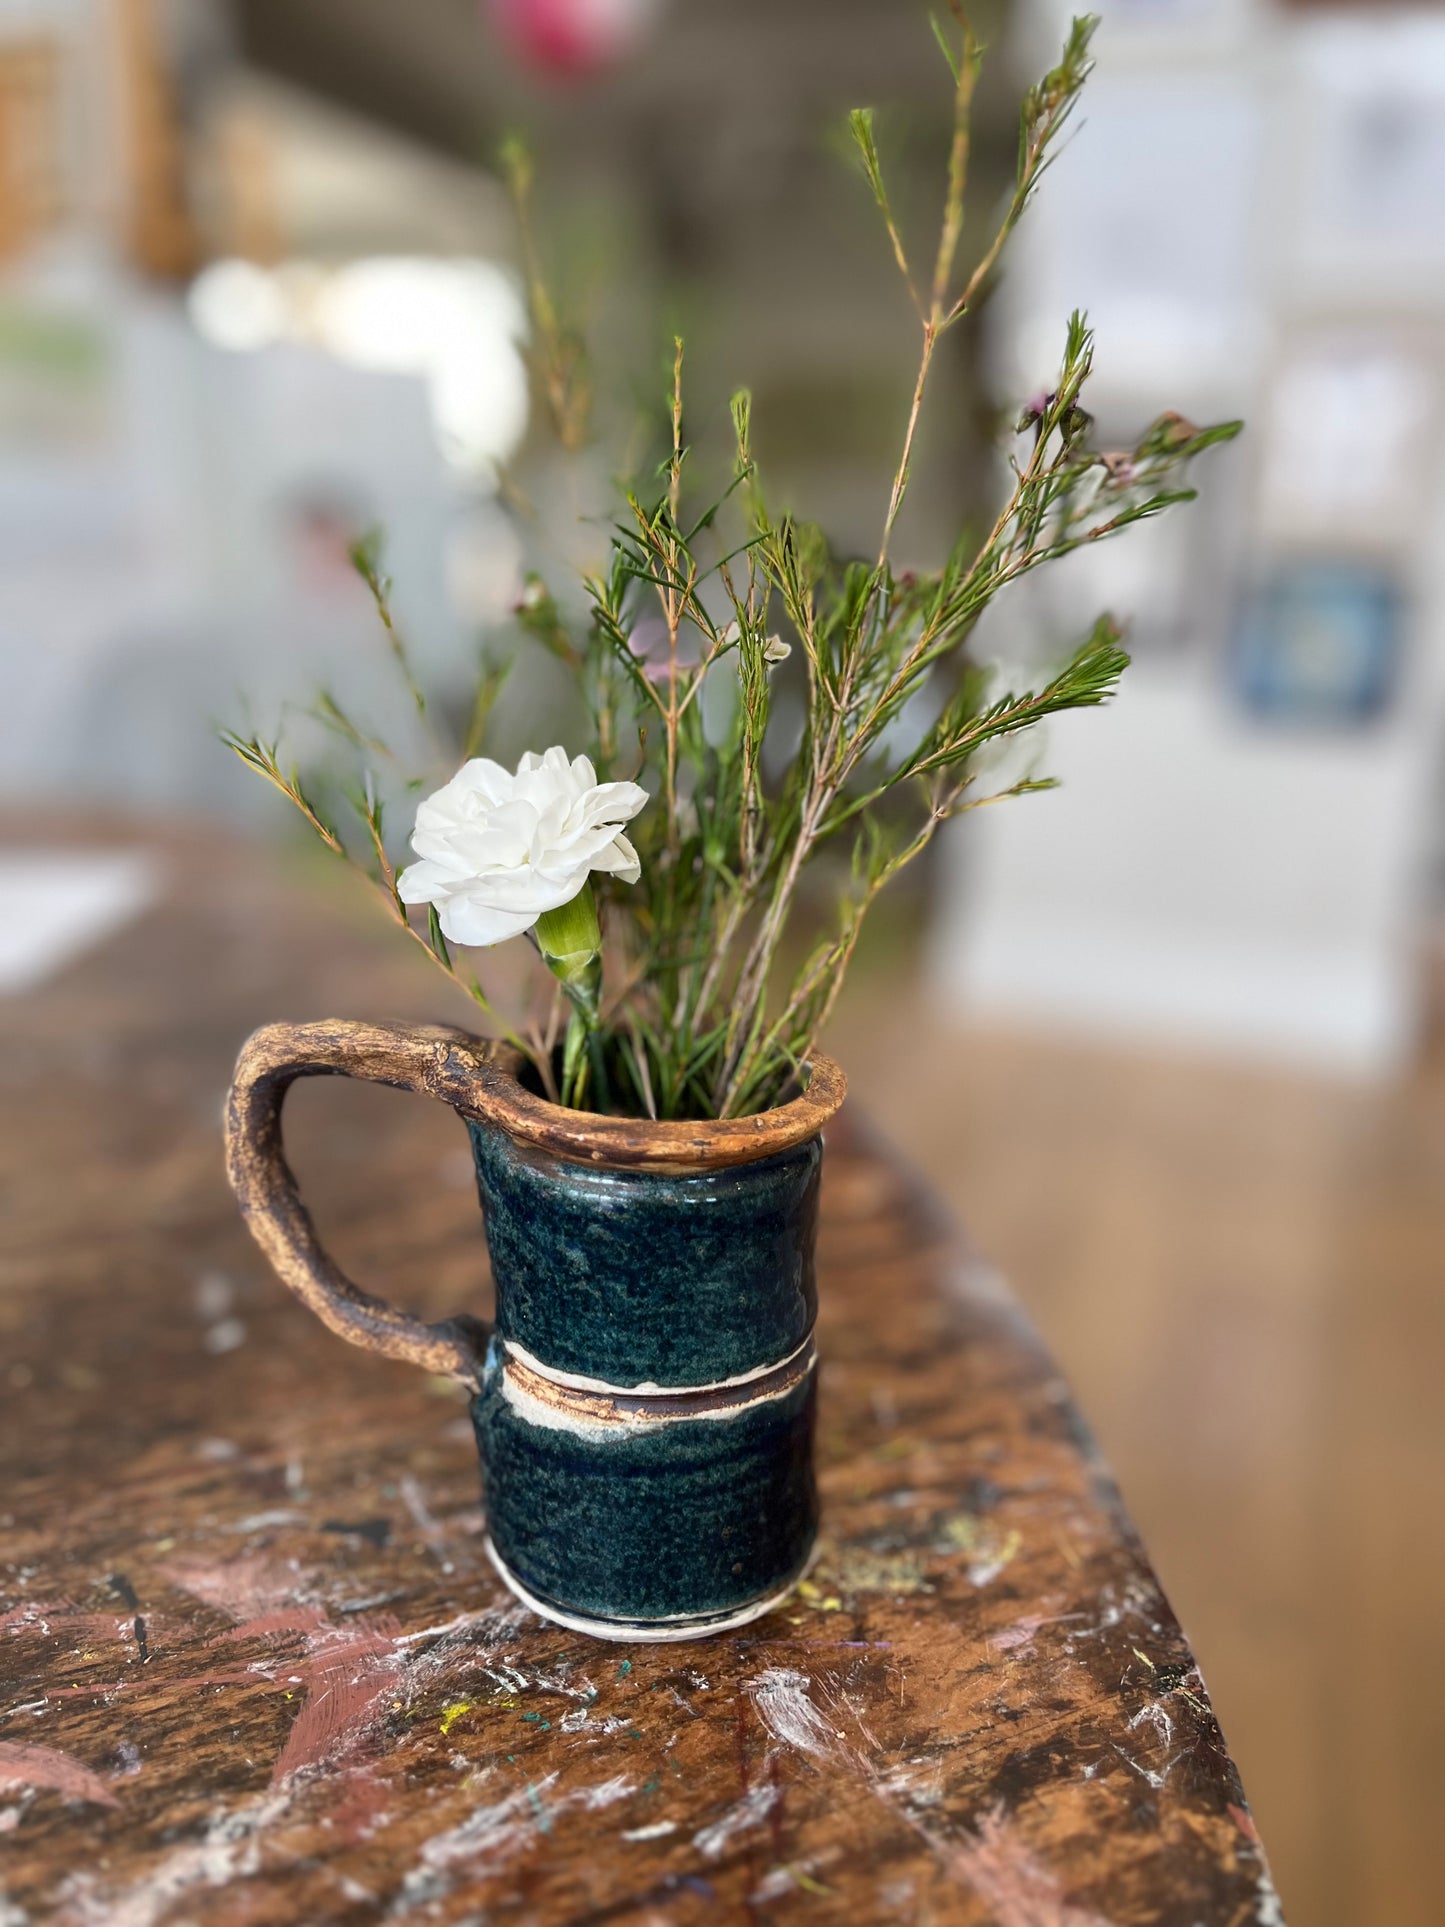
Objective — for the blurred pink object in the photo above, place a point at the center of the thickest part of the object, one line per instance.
(648, 641)
(573, 36)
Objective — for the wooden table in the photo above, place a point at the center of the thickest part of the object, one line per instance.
(257, 1669)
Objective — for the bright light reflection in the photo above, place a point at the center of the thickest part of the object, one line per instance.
(459, 324)
(238, 306)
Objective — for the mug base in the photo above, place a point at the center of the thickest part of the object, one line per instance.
(642, 1631)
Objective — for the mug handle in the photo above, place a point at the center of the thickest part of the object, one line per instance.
(431, 1060)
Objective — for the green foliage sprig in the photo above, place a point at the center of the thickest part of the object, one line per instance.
(706, 1008)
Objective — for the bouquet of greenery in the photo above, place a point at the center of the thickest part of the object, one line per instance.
(658, 874)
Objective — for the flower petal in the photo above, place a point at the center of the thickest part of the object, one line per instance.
(619, 859)
(478, 926)
(425, 883)
(482, 777)
(612, 803)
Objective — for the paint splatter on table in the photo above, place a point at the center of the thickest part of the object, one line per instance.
(256, 1667)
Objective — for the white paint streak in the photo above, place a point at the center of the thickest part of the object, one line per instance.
(1021, 1633)
(1140, 1602)
(230, 1850)
(559, 1680)
(974, 1278)
(773, 1886)
(421, 1513)
(750, 1811)
(491, 1832)
(911, 1784)
(1148, 1774)
(847, 1699)
(1269, 1913)
(260, 1521)
(659, 1830)
(579, 1720)
(781, 1697)
(1016, 1887)
(606, 1795)
(503, 1621)
(497, 1833)
(1158, 1718)
(432, 1535)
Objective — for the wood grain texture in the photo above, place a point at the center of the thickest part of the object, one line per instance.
(1240, 1267)
(258, 1670)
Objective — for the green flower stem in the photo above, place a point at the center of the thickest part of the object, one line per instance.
(574, 1062)
(599, 1070)
(570, 941)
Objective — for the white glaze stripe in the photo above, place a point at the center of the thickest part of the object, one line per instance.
(584, 1421)
(634, 1632)
(579, 1382)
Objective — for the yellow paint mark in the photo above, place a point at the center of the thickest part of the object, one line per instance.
(1010, 1548)
(962, 1533)
(1145, 1657)
(453, 1713)
(815, 1596)
(805, 1881)
(855, 1569)
(987, 1551)
(164, 1545)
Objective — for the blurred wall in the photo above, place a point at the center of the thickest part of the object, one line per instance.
(1245, 854)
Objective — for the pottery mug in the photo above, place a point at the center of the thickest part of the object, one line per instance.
(643, 1402)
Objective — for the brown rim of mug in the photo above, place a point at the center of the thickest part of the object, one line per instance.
(630, 1143)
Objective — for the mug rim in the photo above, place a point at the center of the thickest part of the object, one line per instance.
(673, 1144)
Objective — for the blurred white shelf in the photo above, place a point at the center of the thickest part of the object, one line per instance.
(57, 904)
(1202, 879)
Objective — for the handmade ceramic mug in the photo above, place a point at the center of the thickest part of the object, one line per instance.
(643, 1403)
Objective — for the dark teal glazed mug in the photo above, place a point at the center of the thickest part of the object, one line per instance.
(644, 1401)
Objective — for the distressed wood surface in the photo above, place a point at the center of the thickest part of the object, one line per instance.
(256, 1668)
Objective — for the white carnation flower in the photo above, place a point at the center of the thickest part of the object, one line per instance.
(497, 850)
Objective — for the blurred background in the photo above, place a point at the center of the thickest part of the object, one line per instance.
(1168, 1038)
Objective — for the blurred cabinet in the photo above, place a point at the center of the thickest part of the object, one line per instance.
(31, 175)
